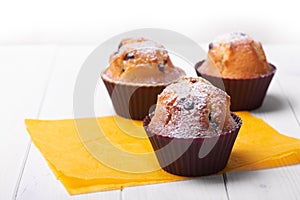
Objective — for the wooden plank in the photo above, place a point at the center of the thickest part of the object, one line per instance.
(211, 187)
(280, 111)
(23, 75)
(286, 58)
(38, 182)
(278, 183)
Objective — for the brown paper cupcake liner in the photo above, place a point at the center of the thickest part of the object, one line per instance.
(131, 101)
(245, 94)
(193, 156)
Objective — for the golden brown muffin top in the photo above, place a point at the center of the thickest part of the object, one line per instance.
(142, 61)
(191, 108)
(235, 55)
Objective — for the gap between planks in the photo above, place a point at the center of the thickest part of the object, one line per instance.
(16, 190)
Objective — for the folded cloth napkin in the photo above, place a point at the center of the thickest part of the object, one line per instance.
(88, 158)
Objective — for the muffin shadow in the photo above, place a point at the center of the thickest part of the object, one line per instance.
(272, 103)
(209, 180)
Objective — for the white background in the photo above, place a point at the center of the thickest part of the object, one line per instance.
(93, 21)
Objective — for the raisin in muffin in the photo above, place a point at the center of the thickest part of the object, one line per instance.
(192, 130)
(142, 61)
(137, 73)
(191, 108)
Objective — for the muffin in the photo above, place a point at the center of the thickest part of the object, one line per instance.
(192, 130)
(137, 73)
(237, 64)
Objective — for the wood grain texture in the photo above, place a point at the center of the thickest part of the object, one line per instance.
(22, 85)
(38, 182)
(211, 187)
(278, 183)
(280, 110)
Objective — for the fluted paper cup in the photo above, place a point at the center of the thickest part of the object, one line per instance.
(133, 101)
(245, 93)
(199, 156)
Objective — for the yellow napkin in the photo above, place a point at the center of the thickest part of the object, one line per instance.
(89, 158)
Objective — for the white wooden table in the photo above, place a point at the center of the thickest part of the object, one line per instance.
(38, 81)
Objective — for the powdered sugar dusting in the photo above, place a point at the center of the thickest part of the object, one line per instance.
(232, 38)
(191, 108)
(141, 45)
